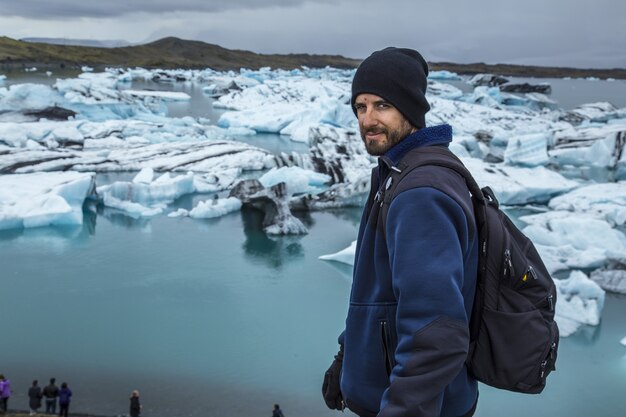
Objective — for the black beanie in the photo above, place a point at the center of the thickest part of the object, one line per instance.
(399, 76)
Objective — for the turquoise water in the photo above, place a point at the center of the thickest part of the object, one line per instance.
(213, 318)
(197, 315)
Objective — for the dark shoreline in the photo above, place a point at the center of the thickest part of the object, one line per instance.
(173, 53)
(26, 413)
(529, 71)
(461, 69)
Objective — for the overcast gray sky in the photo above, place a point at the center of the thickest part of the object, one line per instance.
(542, 32)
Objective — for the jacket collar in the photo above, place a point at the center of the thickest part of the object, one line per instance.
(428, 136)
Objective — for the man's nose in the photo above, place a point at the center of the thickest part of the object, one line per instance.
(368, 119)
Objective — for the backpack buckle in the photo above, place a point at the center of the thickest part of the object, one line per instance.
(490, 196)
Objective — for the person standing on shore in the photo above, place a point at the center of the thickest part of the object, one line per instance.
(277, 412)
(64, 399)
(34, 397)
(135, 406)
(51, 392)
(5, 393)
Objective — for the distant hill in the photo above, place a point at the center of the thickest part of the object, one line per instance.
(164, 53)
(178, 53)
(79, 42)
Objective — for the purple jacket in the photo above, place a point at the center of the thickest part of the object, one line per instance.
(5, 388)
(64, 396)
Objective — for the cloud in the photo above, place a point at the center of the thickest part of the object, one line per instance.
(69, 9)
(556, 32)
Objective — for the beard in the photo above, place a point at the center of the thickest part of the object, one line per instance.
(392, 137)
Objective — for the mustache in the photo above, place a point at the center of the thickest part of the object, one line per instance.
(374, 131)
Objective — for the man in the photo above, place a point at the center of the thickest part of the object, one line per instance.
(406, 338)
(34, 398)
(51, 392)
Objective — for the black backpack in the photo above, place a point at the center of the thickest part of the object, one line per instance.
(513, 335)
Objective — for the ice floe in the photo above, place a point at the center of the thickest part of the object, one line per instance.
(43, 199)
(273, 202)
(297, 180)
(443, 75)
(611, 280)
(345, 256)
(606, 200)
(568, 240)
(215, 208)
(289, 107)
(579, 302)
(145, 196)
(519, 185)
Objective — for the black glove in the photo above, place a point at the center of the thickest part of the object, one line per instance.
(330, 388)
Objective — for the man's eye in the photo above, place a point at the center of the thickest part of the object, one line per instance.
(383, 105)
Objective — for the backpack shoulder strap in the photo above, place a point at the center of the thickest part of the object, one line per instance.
(428, 156)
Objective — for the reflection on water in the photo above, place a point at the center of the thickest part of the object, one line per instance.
(587, 335)
(274, 251)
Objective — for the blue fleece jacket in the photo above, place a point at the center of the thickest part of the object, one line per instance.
(406, 336)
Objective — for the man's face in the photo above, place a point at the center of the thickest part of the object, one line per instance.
(381, 124)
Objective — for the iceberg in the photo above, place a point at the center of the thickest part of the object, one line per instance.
(599, 146)
(339, 153)
(579, 302)
(542, 88)
(443, 75)
(273, 202)
(593, 112)
(289, 106)
(345, 256)
(215, 208)
(574, 240)
(44, 199)
(297, 180)
(611, 280)
(218, 181)
(519, 185)
(489, 80)
(485, 96)
(607, 201)
(144, 196)
(30, 96)
(444, 90)
(527, 150)
(164, 95)
(124, 146)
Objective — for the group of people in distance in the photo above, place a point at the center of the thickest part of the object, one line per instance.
(51, 393)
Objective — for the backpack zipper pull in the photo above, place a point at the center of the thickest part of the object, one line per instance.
(550, 298)
(543, 368)
(508, 265)
(530, 272)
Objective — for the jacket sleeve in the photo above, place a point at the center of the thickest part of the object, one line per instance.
(427, 236)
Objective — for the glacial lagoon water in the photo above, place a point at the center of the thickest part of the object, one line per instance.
(214, 318)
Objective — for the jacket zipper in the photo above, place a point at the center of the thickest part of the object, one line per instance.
(386, 346)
